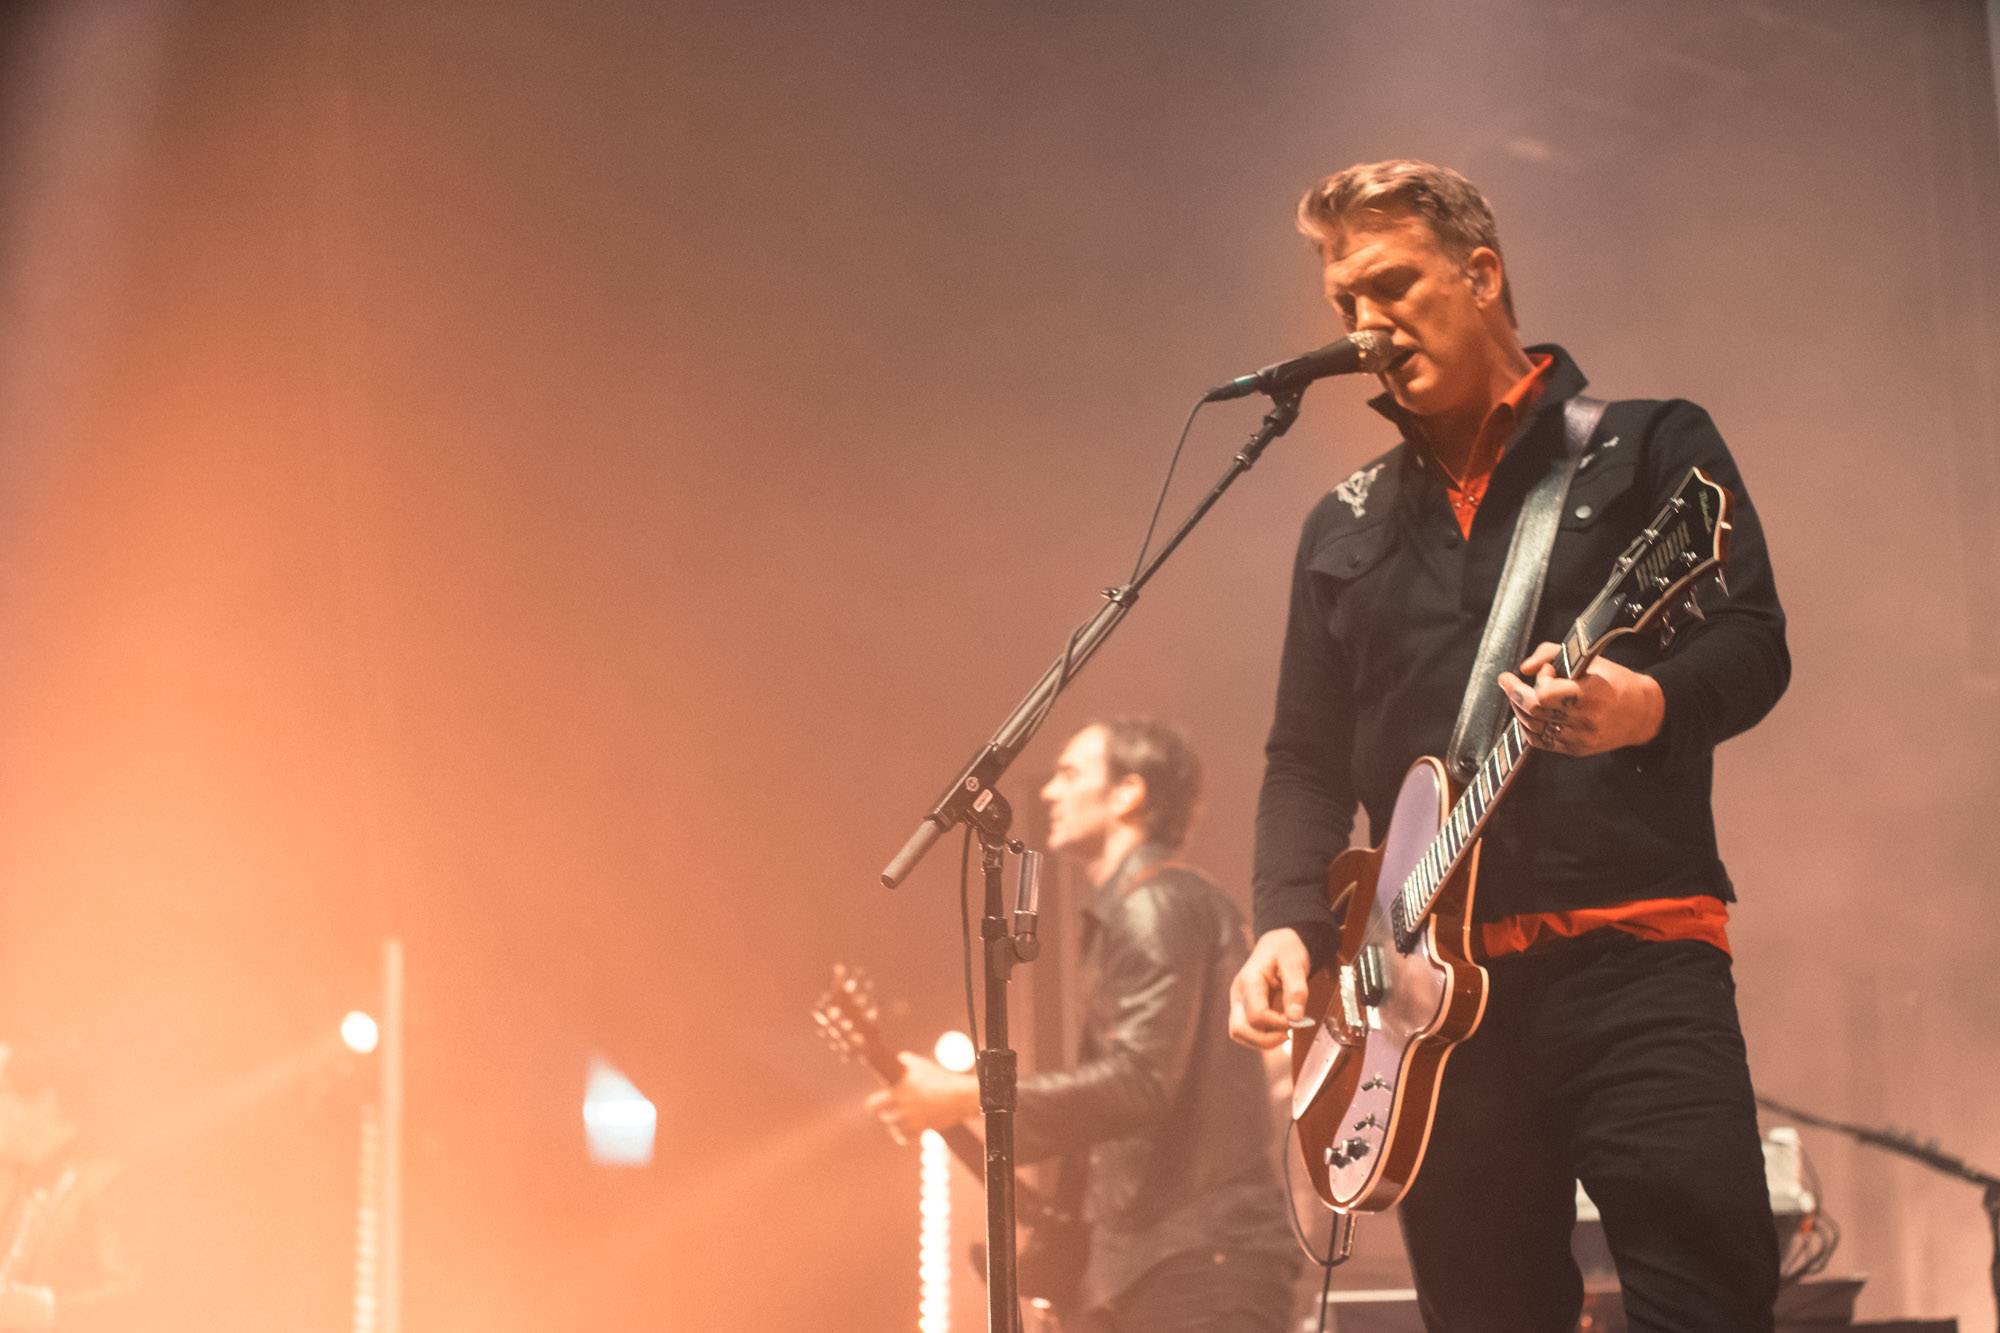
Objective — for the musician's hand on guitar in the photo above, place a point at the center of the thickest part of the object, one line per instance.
(928, 1096)
(1269, 993)
(1607, 708)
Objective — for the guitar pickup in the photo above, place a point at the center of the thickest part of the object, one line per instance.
(1371, 977)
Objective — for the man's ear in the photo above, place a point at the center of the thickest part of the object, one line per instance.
(1487, 274)
(1128, 796)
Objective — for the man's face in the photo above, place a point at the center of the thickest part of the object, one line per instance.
(1083, 803)
(1386, 271)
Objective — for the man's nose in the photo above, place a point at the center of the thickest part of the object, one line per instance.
(1369, 315)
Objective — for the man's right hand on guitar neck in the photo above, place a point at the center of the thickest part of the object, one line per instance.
(1268, 998)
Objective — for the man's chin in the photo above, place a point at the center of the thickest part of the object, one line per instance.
(1416, 393)
(1060, 844)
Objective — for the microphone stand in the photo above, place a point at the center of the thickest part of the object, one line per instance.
(973, 797)
(1927, 1153)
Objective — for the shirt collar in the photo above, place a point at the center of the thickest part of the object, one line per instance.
(1561, 382)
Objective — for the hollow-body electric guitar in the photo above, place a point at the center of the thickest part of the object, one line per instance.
(1404, 988)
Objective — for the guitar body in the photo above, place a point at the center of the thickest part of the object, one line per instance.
(1365, 1079)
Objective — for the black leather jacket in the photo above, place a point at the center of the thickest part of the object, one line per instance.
(1167, 1120)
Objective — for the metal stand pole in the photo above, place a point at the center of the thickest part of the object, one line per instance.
(997, 1081)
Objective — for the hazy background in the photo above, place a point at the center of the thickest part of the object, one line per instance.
(566, 484)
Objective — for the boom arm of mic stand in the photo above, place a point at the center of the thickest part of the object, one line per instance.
(1927, 1153)
(971, 794)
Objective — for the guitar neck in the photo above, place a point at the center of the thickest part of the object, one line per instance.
(1489, 782)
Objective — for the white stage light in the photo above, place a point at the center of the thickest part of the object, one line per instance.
(934, 1233)
(954, 1051)
(359, 1033)
(618, 1120)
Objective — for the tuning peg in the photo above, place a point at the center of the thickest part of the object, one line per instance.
(1666, 631)
(1693, 606)
(1721, 583)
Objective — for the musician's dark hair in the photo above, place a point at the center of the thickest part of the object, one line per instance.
(1446, 202)
(1159, 753)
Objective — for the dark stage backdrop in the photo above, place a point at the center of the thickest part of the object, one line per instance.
(565, 484)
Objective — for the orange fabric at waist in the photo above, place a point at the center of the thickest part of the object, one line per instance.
(1698, 918)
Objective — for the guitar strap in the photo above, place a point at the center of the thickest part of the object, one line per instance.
(1505, 641)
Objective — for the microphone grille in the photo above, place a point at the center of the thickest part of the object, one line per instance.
(1376, 350)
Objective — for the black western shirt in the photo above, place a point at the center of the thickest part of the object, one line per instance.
(1388, 602)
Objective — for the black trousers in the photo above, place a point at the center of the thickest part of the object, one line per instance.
(1619, 1062)
(1203, 1292)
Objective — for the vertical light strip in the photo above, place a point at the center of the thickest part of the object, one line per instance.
(368, 1224)
(934, 1236)
(390, 1069)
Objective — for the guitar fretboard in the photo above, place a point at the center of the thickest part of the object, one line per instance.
(1468, 816)
(1650, 563)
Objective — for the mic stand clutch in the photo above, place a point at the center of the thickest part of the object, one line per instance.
(974, 798)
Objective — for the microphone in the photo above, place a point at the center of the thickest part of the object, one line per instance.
(1368, 351)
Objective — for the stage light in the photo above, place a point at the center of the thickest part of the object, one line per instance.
(618, 1120)
(955, 1052)
(359, 1033)
(934, 1233)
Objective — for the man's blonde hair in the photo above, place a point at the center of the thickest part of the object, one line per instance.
(1446, 202)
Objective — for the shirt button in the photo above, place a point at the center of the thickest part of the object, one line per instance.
(1584, 511)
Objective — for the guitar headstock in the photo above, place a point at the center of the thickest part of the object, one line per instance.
(1659, 578)
(849, 1017)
